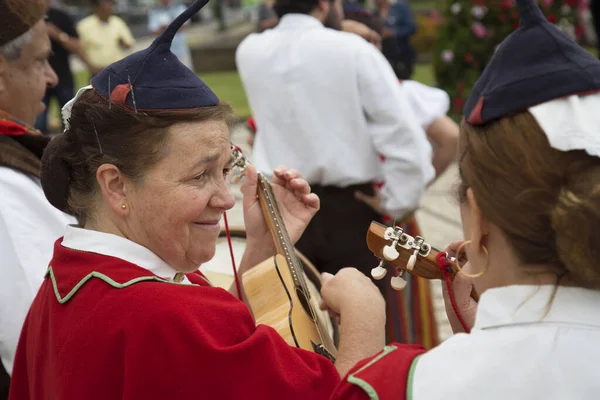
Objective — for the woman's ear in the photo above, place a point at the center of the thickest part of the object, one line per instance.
(479, 226)
(112, 185)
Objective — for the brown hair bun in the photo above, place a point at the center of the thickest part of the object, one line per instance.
(56, 173)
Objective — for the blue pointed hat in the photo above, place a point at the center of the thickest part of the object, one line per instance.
(535, 64)
(154, 79)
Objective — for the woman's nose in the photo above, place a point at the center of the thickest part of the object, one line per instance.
(223, 199)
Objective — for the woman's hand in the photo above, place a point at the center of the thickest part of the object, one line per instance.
(296, 203)
(462, 286)
(357, 304)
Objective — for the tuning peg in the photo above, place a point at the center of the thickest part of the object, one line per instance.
(398, 282)
(379, 272)
(410, 265)
(390, 253)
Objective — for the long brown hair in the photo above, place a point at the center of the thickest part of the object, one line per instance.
(99, 134)
(546, 201)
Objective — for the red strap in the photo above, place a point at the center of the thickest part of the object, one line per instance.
(442, 262)
(235, 274)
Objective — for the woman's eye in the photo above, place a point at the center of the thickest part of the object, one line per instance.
(200, 177)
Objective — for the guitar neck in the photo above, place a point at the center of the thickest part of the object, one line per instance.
(276, 224)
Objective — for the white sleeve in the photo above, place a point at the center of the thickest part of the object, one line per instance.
(29, 226)
(396, 134)
(428, 103)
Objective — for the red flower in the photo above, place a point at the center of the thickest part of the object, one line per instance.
(573, 3)
(468, 57)
(506, 5)
(458, 103)
(579, 31)
(552, 18)
(516, 24)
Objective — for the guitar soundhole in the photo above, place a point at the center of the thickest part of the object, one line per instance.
(304, 302)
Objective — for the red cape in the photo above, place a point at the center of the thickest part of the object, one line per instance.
(385, 376)
(102, 328)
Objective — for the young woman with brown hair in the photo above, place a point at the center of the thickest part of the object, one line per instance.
(529, 159)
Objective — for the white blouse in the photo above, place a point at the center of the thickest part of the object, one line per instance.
(119, 247)
(515, 351)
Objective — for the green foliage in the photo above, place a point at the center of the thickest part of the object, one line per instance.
(470, 33)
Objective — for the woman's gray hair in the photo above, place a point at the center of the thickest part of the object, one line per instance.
(12, 50)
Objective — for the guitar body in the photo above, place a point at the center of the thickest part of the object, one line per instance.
(277, 302)
(278, 291)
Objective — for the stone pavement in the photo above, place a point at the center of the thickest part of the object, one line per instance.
(438, 217)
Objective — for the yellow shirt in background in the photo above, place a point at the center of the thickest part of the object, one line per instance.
(100, 39)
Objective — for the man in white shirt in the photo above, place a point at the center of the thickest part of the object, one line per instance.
(29, 225)
(328, 104)
(105, 37)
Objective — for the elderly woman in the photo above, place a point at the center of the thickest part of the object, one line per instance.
(530, 202)
(124, 311)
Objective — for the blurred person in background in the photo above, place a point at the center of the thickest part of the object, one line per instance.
(399, 26)
(105, 37)
(65, 41)
(28, 223)
(160, 17)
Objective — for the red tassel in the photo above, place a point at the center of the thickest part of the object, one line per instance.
(442, 263)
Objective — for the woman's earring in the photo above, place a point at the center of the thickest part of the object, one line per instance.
(123, 206)
(460, 270)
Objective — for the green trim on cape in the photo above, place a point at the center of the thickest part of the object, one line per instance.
(363, 384)
(106, 279)
(411, 377)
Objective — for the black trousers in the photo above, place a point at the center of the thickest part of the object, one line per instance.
(336, 236)
(595, 10)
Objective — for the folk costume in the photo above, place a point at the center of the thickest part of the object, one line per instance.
(519, 347)
(28, 223)
(113, 320)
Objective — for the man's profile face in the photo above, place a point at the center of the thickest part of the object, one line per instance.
(23, 82)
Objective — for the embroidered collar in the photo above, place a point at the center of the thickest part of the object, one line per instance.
(513, 305)
(12, 126)
(118, 247)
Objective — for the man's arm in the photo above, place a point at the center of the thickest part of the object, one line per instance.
(396, 134)
(443, 132)
(69, 39)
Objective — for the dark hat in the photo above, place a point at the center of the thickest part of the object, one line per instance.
(19, 16)
(154, 79)
(533, 65)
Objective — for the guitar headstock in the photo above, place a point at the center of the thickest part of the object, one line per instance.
(405, 253)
